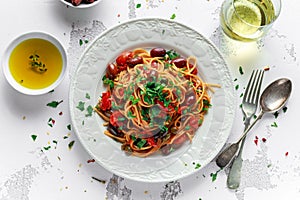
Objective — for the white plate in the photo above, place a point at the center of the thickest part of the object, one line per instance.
(149, 33)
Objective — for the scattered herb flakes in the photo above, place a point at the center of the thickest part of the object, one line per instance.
(213, 176)
(55, 142)
(241, 70)
(54, 104)
(24, 117)
(71, 144)
(241, 95)
(173, 16)
(33, 137)
(86, 41)
(237, 87)
(99, 180)
(80, 105)
(235, 79)
(69, 127)
(274, 125)
(284, 109)
(89, 110)
(197, 166)
(51, 122)
(269, 165)
(51, 91)
(47, 148)
(138, 5)
(163, 31)
(80, 42)
(87, 95)
(276, 114)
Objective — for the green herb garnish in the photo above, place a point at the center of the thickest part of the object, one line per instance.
(80, 106)
(141, 143)
(54, 104)
(70, 145)
(107, 81)
(138, 5)
(274, 125)
(241, 70)
(33, 137)
(173, 16)
(36, 64)
(172, 54)
(89, 110)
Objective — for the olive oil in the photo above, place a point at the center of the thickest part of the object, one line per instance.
(247, 19)
(35, 63)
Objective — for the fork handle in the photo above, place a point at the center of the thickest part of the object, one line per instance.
(234, 176)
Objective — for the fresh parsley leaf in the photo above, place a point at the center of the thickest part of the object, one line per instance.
(80, 105)
(173, 16)
(241, 70)
(33, 137)
(87, 95)
(89, 111)
(138, 5)
(71, 144)
(69, 127)
(141, 143)
(54, 104)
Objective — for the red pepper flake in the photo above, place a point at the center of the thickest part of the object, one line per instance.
(267, 68)
(118, 15)
(286, 153)
(51, 122)
(60, 113)
(256, 137)
(264, 139)
(91, 161)
(256, 141)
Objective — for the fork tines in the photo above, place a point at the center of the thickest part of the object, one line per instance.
(253, 88)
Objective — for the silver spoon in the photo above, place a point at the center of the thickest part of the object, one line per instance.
(272, 99)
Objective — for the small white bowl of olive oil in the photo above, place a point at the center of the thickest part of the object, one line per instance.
(34, 63)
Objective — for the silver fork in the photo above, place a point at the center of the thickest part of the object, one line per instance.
(250, 101)
(249, 106)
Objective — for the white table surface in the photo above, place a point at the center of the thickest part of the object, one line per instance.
(271, 169)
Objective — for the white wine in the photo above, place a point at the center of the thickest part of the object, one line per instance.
(247, 20)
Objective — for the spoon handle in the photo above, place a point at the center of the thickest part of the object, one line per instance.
(226, 156)
(234, 176)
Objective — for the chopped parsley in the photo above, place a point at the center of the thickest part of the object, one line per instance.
(274, 125)
(71, 144)
(33, 137)
(172, 54)
(107, 81)
(241, 70)
(173, 16)
(89, 111)
(54, 104)
(138, 5)
(80, 106)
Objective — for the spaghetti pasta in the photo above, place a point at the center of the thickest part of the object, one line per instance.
(154, 100)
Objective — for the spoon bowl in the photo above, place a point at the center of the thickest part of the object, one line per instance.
(272, 99)
(275, 95)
